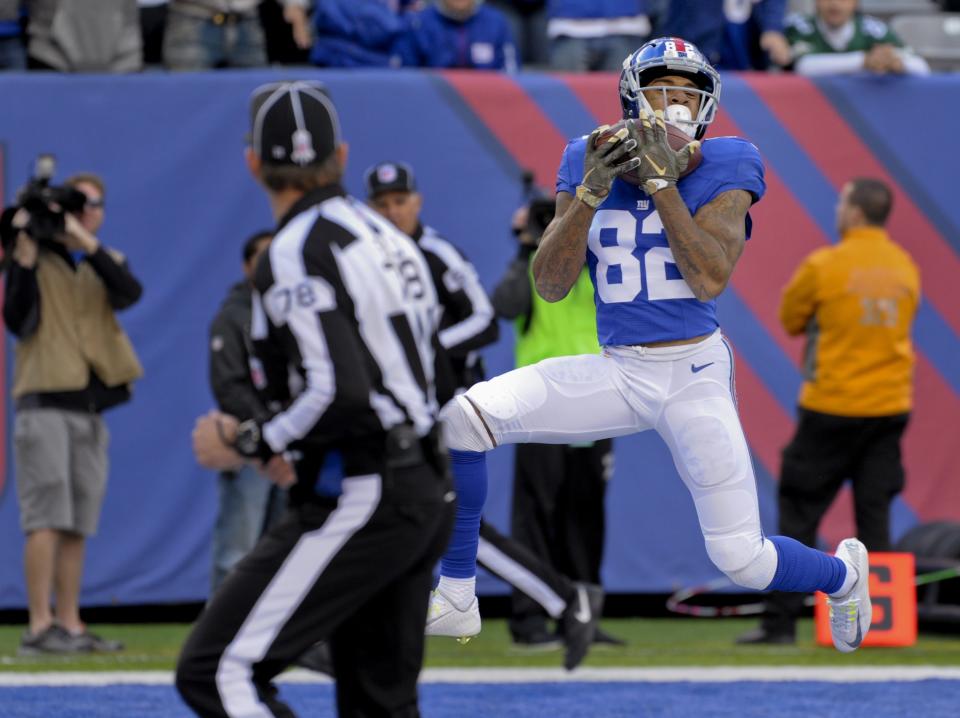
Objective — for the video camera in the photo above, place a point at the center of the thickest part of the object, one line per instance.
(46, 204)
(541, 209)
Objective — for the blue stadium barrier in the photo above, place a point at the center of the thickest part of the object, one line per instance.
(180, 203)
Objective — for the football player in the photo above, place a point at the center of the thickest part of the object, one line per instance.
(659, 253)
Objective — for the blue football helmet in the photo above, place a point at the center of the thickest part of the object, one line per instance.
(670, 56)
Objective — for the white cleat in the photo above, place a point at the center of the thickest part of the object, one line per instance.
(445, 619)
(850, 615)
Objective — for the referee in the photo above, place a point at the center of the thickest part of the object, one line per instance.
(346, 300)
(468, 322)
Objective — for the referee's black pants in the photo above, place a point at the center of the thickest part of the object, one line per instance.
(826, 451)
(559, 515)
(356, 571)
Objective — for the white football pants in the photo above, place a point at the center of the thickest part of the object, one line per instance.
(684, 393)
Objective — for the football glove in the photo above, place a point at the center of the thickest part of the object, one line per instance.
(604, 163)
(660, 165)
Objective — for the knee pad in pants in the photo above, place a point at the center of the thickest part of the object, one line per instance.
(747, 560)
(463, 429)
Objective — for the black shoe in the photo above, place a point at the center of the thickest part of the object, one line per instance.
(762, 636)
(529, 628)
(98, 644)
(540, 641)
(53, 640)
(602, 637)
(317, 658)
(579, 623)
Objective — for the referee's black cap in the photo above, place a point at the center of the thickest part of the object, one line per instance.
(293, 123)
(389, 177)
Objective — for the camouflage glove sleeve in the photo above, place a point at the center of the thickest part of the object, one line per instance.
(660, 164)
(604, 163)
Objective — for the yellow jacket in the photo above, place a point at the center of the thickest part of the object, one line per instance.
(856, 302)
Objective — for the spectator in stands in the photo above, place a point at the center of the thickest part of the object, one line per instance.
(658, 12)
(837, 39)
(528, 24)
(13, 56)
(73, 361)
(248, 502)
(153, 20)
(205, 34)
(459, 34)
(558, 490)
(856, 302)
(588, 35)
(92, 36)
(287, 32)
(359, 33)
(296, 15)
(733, 34)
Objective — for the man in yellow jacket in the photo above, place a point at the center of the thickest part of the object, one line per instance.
(855, 302)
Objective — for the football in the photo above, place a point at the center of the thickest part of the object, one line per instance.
(675, 136)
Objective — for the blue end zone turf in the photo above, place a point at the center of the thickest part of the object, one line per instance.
(747, 699)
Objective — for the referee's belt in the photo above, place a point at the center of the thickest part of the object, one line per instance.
(401, 448)
(404, 449)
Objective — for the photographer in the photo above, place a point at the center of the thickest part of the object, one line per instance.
(558, 490)
(72, 362)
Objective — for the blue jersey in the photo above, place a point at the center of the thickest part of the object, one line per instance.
(639, 292)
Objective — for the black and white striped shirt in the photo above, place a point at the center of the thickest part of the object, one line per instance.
(468, 321)
(348, 301)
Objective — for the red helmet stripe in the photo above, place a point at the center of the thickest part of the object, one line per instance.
(680, 44)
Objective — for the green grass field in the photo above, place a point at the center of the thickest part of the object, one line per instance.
(652, 643)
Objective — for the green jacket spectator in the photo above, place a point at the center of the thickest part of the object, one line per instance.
(832, 43)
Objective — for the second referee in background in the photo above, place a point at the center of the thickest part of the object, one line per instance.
(347, 300)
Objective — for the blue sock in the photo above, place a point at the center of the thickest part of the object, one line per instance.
(804, 570)
(470, 482)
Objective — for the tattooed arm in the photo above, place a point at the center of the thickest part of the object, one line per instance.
(706, 246)
(563, 249)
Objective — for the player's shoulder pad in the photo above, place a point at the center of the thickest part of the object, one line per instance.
(721, 150)
(874, 27)
(571, 165)
(578, 144)
(732, 162)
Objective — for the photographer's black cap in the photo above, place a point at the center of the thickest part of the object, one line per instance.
(293, 123)
(389, 177)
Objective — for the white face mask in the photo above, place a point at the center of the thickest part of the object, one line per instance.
(680, 117)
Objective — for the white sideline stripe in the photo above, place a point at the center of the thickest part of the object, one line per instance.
(689, 674)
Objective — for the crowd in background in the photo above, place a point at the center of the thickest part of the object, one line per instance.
(562, 35)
